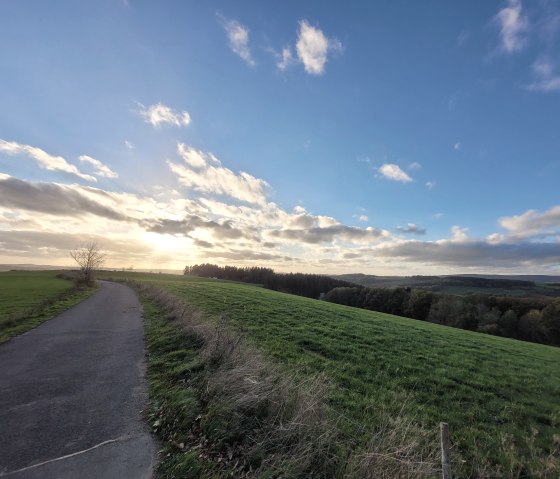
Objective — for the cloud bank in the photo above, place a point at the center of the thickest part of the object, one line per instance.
(223, 216)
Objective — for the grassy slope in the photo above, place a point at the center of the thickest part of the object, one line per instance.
(487, 388)
(27, 298)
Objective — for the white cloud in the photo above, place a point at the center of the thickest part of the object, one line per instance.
(363, 218)
(46, 161)
(394, 172)
(430, 184)
(513, 25)
(286, 59)
(99, 168)
(312, 48)
(195, 158)
(457, 146)
(459, 234)
(160, 114)
(414, 166)
(238, 37)
(204, 173)
(129, 145)
(545, 78)
(533, 223)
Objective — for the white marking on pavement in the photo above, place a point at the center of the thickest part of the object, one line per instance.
(62, 458)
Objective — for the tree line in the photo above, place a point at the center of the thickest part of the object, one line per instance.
(535, 319)
(308, 285)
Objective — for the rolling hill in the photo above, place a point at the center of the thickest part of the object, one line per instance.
(500, 396)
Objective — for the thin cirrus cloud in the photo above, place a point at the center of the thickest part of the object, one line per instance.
(99, 168)
(312, 48)
(285, 58)
(45, 161)
(238, 36)
(394, 172)
(545, 78)
(159, 114)
(513, 27)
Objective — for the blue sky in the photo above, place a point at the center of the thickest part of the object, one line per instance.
(382, 137)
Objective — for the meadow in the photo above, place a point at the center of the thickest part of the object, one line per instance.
(499, 396)
(27, 298)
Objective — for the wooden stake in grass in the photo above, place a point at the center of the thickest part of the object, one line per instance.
(445, 464)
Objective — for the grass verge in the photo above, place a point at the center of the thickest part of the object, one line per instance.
(30, 298)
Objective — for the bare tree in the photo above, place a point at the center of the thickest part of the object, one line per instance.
(89, 258)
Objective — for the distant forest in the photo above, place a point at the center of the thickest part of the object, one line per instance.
(531, 319)
(308, 285)
(535, 319)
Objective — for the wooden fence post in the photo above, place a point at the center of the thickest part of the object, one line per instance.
(445, 463)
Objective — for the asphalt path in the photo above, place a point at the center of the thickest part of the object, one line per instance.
(72, 394)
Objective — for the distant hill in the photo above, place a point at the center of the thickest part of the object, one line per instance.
(31, 267)
(510, 285)
(44, 267)
(537, 278)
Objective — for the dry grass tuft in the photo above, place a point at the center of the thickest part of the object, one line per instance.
(399, 448)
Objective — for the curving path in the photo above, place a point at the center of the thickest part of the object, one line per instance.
(72, 392)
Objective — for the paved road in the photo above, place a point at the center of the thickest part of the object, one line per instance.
(72, 393)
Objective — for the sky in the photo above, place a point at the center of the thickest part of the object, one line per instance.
(389, 138)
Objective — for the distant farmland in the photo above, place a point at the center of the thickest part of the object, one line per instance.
(499, 396)
(28, 298)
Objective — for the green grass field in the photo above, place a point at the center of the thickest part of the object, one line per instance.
(27, 298)
(499, 396)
